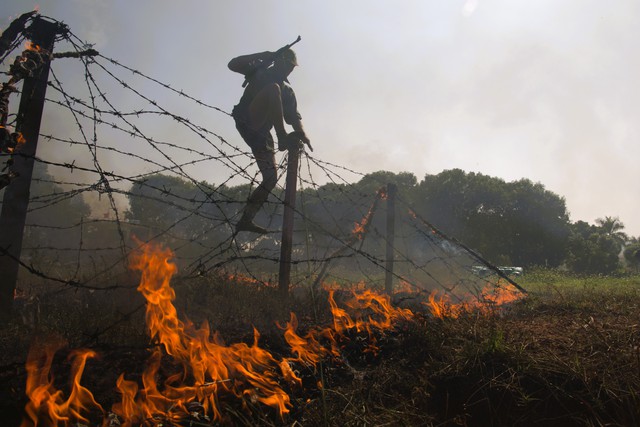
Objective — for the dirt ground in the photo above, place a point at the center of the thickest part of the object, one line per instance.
(551, 359)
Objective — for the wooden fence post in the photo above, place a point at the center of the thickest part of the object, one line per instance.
(286, 243)
(391, 226)
(16, 196)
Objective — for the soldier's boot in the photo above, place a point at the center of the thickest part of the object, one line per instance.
(246, 221)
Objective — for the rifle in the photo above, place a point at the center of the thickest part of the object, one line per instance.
(267, 64)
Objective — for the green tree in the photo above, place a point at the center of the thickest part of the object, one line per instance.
(370, 183)
(612, 227)
(632, 255)
(539, 224)
(518, 222)
(186, 215)
(591, 250)
(440, 198)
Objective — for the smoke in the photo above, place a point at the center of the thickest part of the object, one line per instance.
(540, 90)
(469, 7)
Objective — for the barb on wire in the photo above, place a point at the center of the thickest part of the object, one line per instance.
(109, 138)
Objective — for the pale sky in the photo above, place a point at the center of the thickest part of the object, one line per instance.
(546, 90)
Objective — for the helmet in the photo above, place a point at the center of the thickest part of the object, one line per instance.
(289, 56)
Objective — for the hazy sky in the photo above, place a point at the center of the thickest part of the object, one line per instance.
(546, 90)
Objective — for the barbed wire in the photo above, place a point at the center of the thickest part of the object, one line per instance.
(197, 218)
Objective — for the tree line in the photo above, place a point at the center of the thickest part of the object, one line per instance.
(518, 223)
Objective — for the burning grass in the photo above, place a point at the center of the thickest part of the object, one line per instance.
(562, 357)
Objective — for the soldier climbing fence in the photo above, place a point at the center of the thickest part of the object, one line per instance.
(119, 164)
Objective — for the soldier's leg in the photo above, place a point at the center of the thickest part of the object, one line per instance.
(267, 165)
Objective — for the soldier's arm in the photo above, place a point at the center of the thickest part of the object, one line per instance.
(245, 63)
(291, 114)
(296, 124)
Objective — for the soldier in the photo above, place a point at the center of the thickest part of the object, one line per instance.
(268, 102)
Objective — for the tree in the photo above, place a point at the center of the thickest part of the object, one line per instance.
(370, 183)
(592, 250)
(612, 227)
(539, 223)
(632, 255)
(185, 214)
(518, 222)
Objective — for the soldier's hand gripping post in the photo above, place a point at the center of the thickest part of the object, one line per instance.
(268, 101)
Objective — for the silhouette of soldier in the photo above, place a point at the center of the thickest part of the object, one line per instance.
(268, 102)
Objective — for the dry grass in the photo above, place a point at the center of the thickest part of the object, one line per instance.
(568, 355)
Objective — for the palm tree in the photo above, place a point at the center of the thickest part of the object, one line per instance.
(612, 227)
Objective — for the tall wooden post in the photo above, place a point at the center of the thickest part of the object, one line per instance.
(16, 195)
(286, 244)
(391, 227)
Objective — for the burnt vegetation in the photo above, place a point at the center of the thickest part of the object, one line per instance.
(566, 355)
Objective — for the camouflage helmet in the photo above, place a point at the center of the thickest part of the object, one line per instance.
(288, 55)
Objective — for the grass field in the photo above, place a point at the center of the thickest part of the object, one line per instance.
(568, 354)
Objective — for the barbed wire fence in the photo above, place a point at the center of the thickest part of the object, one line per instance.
(119, 166)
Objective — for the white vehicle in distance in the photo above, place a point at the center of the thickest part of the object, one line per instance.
(482, 271)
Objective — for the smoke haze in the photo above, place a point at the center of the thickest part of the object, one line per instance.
(542, 90)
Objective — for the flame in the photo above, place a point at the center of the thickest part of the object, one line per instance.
(365, 311)
(206, 368)
(15, 142)
(29, 45)
(437, 308)
(19, 138)
(247, 371)
(243, 370)
(490, 299)
(500, 294)
(308, 349)
(372, 311)
(243, 279)
(360, 228)
(45, 402)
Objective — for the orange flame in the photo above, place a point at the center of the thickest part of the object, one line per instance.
(307, 348)
(491, 298)
(29, 45)
(209, 367)
(246, 371)
(47, 403)
(372, 310)
(437, 308)
(248, 280)
(359, 228)
(17, 140)
(500, 294)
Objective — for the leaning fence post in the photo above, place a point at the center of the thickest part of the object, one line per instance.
(16, 196)
(391, 226)
(286, 244)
